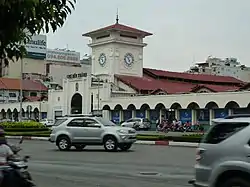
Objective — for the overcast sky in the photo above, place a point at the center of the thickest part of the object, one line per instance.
(184, 31)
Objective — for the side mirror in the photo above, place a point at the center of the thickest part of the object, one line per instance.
(21, 140)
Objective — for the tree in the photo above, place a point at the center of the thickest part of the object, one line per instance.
(20, 19)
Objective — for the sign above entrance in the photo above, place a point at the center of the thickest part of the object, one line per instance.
(76, 75)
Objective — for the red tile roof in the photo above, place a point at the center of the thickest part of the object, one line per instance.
(215, 88)
(35, 98)
(192, 77)
(119, 27)
(171, 87)
(28, 85)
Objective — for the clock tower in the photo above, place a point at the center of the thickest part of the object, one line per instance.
(117, 49)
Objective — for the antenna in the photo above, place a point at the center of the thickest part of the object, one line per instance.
(117, 17)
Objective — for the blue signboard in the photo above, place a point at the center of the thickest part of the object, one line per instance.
(203, 115)
(220, 113)
(44, 115)
(116, 116)
(154, 115)
(185, 115)
(127, 114)
(140, 114)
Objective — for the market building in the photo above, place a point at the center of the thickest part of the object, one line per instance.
(120, 88)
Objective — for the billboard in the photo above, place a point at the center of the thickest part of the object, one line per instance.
(36, 47)
(63, 56)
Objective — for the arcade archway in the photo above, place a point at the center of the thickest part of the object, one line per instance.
(76, 104)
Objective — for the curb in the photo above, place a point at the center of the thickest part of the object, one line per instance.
(161, 143)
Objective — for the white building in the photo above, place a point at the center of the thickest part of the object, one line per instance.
(120, 86)
(224, 67)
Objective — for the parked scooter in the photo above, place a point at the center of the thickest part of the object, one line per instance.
(18, 165)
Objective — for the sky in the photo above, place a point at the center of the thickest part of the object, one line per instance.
(184, 31)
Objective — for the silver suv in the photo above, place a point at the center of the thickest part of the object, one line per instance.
(82, 131)
(223, 156)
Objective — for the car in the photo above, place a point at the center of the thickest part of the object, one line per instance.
(223, 155)
(47, 122)
(80, 131)
(137, 123)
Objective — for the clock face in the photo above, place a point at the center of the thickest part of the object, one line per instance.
(129, 59)
(102, 59)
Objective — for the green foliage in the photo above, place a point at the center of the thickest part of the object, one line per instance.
(20, 19)
(24, 124)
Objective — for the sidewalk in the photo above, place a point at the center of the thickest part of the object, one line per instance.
(159, 143)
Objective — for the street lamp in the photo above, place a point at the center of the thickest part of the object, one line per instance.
(21, 91)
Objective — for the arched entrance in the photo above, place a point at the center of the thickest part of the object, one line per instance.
(9, 114)
(36, 113)
(76, 104)
(3, 113)
(15, 114)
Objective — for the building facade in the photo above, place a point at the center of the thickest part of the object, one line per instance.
(35, 96)
(224, 67)
(121, 88)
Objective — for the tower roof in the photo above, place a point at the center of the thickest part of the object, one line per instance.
(118, 27)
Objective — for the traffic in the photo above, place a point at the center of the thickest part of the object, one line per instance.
(221, 158)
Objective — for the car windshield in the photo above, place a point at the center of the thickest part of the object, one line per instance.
(59, 122)
(105, 121)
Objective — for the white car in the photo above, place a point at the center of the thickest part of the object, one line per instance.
(47, 122)
(137, 123)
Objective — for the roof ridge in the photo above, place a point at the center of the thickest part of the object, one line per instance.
(188, 73)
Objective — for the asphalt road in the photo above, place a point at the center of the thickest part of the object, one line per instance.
(93, 167)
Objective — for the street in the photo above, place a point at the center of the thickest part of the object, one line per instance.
(143, 166)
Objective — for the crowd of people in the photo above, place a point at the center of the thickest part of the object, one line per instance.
(172, 124)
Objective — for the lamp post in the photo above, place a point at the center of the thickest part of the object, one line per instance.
(21, 91)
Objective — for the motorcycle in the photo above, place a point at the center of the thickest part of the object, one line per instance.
(136, 126)
(19, 165)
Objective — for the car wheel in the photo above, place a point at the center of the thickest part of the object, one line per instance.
(236, 182)
(63, 143)
(80, 147)
(125, 147)
(110, 143)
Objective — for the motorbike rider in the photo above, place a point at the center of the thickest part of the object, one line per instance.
(5, 154)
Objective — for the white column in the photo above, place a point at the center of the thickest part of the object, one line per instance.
(230, 112)
(147, 113)
(133, 113)
(177, 114)
(211, 116)
(194, 117)
(105, 114)
(121, 115)
(160, 113)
